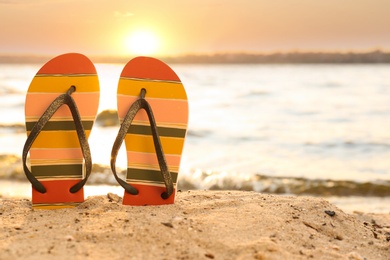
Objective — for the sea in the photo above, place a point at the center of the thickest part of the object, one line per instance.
(292, 129)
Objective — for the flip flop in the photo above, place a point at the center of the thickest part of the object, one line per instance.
(61, 106)
(153, 111)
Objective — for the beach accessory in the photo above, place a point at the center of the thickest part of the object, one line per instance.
(61, 106)
(153, 110)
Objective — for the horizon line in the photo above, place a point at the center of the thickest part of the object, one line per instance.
(294, 56)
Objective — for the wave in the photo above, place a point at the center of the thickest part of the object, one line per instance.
(12, 128)
(255, 94)
(7, 90)
(330, 84)
(351, 145)
(283, 185)
(199, 133)
(11, 169)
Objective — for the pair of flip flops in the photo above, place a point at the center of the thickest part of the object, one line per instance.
(61, 105)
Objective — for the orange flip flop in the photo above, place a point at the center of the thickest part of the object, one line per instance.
(61, 106)
(153, 110)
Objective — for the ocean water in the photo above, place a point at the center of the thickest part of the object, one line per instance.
(294, 129)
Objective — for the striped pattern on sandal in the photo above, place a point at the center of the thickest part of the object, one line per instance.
(56, 158)
(167, 97)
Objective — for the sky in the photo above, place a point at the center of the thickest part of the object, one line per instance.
(173, 27)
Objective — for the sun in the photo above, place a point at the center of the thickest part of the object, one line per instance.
(142, 43)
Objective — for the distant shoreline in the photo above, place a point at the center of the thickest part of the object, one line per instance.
(371, 57)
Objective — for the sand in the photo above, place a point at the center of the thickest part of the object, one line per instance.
(200, 225)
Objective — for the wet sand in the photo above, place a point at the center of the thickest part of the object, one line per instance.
(200, 225)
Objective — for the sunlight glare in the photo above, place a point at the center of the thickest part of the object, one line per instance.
(142, 43)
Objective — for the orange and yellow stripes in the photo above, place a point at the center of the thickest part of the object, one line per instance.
(56, 157)
(167, 97)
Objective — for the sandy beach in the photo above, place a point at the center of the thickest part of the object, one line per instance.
(200, 225)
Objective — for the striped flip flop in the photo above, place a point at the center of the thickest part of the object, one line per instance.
(153, 110)
(61, 106)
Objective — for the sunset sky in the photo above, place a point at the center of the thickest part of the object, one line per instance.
(170, 27)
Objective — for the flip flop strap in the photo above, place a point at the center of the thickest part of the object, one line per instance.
(64, 99)
(141, 103)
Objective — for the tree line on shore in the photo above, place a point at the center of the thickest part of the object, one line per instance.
(376, 56)
(288, 57)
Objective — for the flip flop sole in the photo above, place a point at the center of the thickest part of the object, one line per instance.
(55, 156)
(168, 99)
